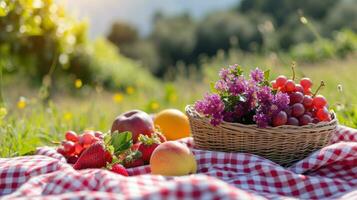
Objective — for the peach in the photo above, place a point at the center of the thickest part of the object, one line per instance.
(135, 121)
(172, 159)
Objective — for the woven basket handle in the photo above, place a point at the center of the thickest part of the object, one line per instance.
(191, 112)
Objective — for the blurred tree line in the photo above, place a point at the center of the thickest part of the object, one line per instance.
(258, 26)
(40, 41)
(36, 35)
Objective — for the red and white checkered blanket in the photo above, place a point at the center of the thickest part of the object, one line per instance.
(330, 173)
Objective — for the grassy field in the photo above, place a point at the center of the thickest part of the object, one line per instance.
(28, 123)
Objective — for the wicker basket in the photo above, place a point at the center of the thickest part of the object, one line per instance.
(283, 145)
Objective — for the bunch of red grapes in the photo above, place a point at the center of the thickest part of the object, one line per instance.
(304, 107)
(73, 145)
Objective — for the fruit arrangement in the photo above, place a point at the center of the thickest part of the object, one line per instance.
(304, 107)
(283, 120)
(258, 101)
(133, 141)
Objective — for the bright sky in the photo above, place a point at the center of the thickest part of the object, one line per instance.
(101, 13)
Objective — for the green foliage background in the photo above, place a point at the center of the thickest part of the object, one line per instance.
(259, 26)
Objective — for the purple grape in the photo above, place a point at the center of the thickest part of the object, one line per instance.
(297, 110)
(307, 101)
(296, 97)
(288, 111)
(293, 121)
(315, 120)
(308, 113)
(299, 88)
(280, 119)
(304, 120)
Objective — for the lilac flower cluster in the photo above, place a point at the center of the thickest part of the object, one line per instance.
(269, 105)
(241, 100)
(257, 75)
(213, 106)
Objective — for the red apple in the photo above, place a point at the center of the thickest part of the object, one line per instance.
(135, 121)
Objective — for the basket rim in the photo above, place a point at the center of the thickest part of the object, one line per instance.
(191, 112)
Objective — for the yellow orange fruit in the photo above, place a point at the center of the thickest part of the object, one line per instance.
(173, 123)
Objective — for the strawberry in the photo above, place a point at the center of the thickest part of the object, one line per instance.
(147, 146)
(108, 156)
(95, 156)
(134, 163)
(119, 169)
(133, 160)
(146, 151)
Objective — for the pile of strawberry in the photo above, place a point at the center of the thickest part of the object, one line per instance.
(113, 151)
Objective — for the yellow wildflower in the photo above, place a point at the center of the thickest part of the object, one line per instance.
(117, 97)
(172, 98)
(154, 105)
(67, 116)
(130, 90)
(21, 104)
(78, 83)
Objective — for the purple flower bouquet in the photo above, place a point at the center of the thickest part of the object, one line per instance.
(237, 99)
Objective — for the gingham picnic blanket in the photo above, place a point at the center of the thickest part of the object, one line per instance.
(330, 173)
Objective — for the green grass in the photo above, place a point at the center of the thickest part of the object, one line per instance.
(22, 130)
